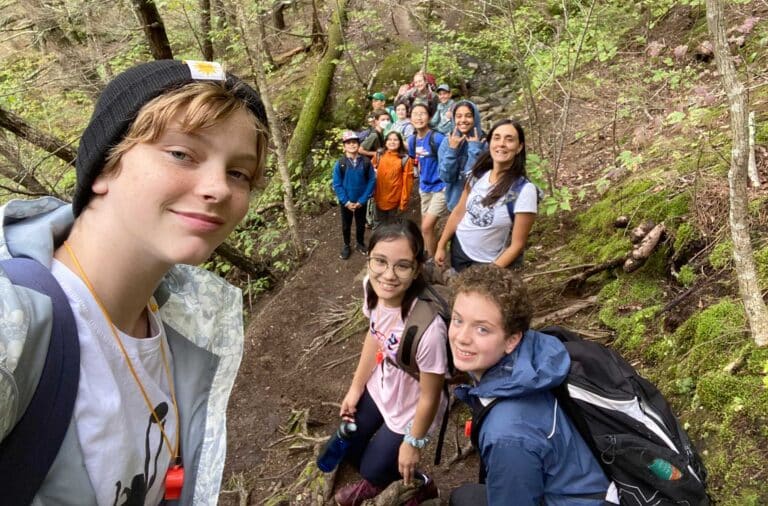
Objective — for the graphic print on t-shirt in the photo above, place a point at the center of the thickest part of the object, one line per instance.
(480, 215)
(390, 344)
(136, 493)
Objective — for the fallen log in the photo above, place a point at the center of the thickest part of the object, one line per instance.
(286, 56)
(566, 312)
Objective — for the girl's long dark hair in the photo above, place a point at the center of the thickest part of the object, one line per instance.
(402, 150)
(484, 163)
(411, 232)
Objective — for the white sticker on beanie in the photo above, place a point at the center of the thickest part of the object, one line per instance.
(206, 70)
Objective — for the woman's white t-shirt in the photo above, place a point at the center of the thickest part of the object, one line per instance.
(125, 455)
(483, 232)
(395, 392)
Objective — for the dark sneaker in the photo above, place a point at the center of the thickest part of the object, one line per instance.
(345, 252)
(361, 248)
(355, 493)
(425, 492)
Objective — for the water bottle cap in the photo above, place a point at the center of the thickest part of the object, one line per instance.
(351, 426)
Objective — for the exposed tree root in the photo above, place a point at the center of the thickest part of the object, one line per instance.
(337, 323)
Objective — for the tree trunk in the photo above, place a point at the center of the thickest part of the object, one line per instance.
(298, 148)
(277, 135)
(278, 18)
(317, 28)
(20, 174)
(154, 29)
(205, 27)
(242, 262)
(42, 140)
(757, 315)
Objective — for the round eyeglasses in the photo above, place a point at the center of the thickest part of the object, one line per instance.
(380, 265)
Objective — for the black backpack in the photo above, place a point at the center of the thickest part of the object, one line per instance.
(628, 425)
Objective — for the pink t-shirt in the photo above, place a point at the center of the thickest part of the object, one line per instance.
(394, 391)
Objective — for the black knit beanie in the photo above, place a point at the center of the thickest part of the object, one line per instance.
(118, 106)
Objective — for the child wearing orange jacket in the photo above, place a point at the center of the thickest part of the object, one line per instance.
(394, 179)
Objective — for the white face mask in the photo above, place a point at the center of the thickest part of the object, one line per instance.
(384, 124)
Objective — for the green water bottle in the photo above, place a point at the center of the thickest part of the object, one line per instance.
(664, 470)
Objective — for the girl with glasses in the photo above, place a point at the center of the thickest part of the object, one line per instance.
(394, 411)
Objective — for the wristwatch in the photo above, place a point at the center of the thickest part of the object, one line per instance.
(419, 443)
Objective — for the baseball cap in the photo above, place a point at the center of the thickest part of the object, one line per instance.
(349, 135)
(377, 96)
(443, 87)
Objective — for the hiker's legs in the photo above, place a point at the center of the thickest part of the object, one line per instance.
(346, 224)
(428, 224)
(360, 224)
(378, 459)
(470, 494)
(381, 217)
(432, 208)
(368, 420)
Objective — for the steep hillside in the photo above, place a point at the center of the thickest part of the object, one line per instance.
(646, 138)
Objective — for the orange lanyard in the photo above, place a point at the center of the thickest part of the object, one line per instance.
(174, 451)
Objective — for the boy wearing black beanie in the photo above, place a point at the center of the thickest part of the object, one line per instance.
(165, 169)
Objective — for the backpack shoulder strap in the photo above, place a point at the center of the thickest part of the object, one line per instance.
(412, 144)
(342, 167)
(28, 452)
(429, 304)
(432, 143)
(510, 199)
(404, 161)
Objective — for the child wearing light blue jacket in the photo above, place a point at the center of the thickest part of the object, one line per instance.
(460, 149)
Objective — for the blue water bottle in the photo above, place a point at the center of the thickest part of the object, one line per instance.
(336, 447)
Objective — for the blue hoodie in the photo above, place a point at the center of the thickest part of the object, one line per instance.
(455, 164)
(359, 181)
(531, 451)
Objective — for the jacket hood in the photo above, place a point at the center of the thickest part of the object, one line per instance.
(475, 113)
(540, 362)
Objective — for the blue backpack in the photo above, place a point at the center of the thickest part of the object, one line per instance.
(28, 452)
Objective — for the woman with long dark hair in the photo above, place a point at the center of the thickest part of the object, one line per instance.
(394, 411)
(496, 211)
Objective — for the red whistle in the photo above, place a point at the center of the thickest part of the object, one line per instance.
(379, 357)
(468, 428)
(174, 480)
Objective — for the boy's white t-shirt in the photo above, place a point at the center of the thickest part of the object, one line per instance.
(394, 391)
(483, 231)
(125, 455)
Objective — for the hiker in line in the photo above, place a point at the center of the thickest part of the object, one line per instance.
(497, 201)
(459, 150)
(165, 169)
(379, 101)
(441, 120)
(419, 88)
(403, 122)
(530, 452)
(353, 182)
(394, 180)
(394, 411)
(375, 140)
(370, 121)
(423, 148)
